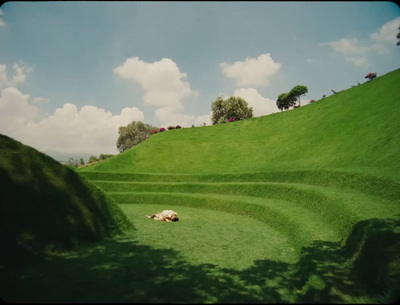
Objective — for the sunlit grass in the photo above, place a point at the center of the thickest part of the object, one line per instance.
(203, 236)
(357, 128)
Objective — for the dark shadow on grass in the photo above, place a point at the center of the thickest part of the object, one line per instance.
(125, 271)
(38, 214)
(117, 271)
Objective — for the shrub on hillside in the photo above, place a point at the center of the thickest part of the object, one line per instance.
(371, 75)
(171, 127)
(133, 134)
(105, 156)
(162, 129)
(232, 107)
(93, 159)
(287, 100)
(177, 127)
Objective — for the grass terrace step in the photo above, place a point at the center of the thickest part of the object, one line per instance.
(302, 212)
(216, 235)
(339, 178)
(329, 201)
(298, 224)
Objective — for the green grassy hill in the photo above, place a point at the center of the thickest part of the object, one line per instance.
(357, 128)
(46, 206)
(323, 179)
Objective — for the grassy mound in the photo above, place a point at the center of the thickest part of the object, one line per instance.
(357, 128)
(46, 206)
(323, 179)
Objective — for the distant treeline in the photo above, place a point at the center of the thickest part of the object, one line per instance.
(92, 159)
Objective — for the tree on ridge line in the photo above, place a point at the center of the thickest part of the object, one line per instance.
(287, 100)
(233, 108)
(133, 134)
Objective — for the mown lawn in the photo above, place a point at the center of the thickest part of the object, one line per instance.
(357, 129)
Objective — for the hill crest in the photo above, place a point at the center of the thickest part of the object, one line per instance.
(357, 128)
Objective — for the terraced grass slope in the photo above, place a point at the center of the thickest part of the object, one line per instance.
(46, 206)
(323, 180)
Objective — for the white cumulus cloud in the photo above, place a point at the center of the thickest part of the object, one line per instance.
(89, 130)
(19, 75)
(252, 71)
(358, 51)
(387, 33)
(164, 84)
(15, 110)
(352, 49)
(261, 105)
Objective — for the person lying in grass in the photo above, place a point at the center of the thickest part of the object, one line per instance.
(167, 215)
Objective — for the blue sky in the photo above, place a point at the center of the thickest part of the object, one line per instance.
(71, 73)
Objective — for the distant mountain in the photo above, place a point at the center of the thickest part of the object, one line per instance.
(64, 157)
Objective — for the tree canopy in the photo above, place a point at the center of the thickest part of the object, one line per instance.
(298, 91)
(398, 37)
(281, 102)
(94, 158)
(287, 100)
(133, 134)
(232, 108)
